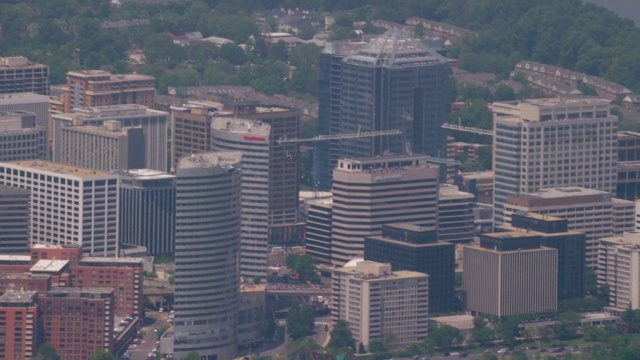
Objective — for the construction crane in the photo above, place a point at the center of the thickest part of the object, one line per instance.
(356, 135)
(468, 129)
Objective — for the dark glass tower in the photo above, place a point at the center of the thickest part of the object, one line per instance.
(395, 81)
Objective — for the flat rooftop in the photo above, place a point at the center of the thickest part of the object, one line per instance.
(21, 258)
(27, 275)
(49, 266)
(96, 130)
(110, 260)
(18, 297)
(409, 227)
(212, 159)
(55, 246)
(562, 192)
(321, 201)
(461, 322)
(24, 96)
(242, 126)
(58, 168)
(147, 174)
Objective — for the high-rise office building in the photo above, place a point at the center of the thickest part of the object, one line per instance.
(554, 233)
(593, 212)
(318, 235)
(619, 269)
(19, 75)
(89, 88)
(393, 82)
(154, 125)
(377, 302)
(107, 148)
(414, 248)
(269, 203)
(509, 273)
(79, 322)
(628, 184)
(371, 192)
(207, 279)
(14, 220)
(69, 205)
(455, 215)
(20, 309)
(147, 210)
(20, 138)
(545, 143)
(29, 102)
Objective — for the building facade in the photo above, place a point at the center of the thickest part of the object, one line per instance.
(106, 148)
(20, 309)
(147, 210)
(414, 248)
(191, 128)
(69, 205)
(595, 213)
(619, 269)
(545, 143)
(371, 192)
(154, 125)
(20, 138)
(318, 235)
(19, 75)
(89, 88)
(509, 274)
(378, 303)
(207, 255)
(14, 220)
(393, 82)
(455, 215)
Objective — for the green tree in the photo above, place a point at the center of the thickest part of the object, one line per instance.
(301, 349)
(445, 337)
(300, 321)
(47, 352)
(192, 356)
(102, 354)
(341, 337)
(233, 54)
(504, 93)
(303, 265)
(361, 349)
(270, 326)
(481, 333)
(278, 51)
(507, 330)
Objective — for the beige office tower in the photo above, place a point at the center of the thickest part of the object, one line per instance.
(544, 143)
(106, 148)
(379, 304)
(371, 192)
(20, 137)
(619, 269)
(593, 212)
(509, 273)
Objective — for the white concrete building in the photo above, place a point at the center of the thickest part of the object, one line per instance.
(377, 302)
(545, 143)
(69, 205)
(619, 269)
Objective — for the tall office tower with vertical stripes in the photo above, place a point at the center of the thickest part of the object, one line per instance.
(148, 210)
(371, 192)
(547, 143)
(207, 280)
(395, 81)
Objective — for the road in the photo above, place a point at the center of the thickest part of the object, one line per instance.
(149, 341)
(277, 348)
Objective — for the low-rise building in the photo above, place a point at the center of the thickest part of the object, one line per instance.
(20, 316)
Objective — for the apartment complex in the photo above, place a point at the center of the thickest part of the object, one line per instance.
(593, 212)
(393, 82)
(154, 125)
(455, 215)
(510, 273)
(207, 255)
(147, 210)
(14, 220)
(378, 303)
(89, 88)
(371, 192)
(20, 138)
(19, 75)
(105, 148)
(318, 235)
(20, 310)
(619, 269)
(414, 248)
(69, 205)
(545, 143)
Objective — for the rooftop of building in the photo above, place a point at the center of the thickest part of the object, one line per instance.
(55, 246)
(110, 260)
(17, 62)
(96, 130)
(112, 77)
(477, 246)
(9, 190)
(369, 270)
(26, 275)
(18, 297)
(77, 291)
(561, 192)
(487, 175)
(396, 48)
(322, 201)
(561, 101)
(243, 126)
(462, 322)
(386, 158)
(448, 191)
(211, 159)
(538, 216)
(49, 266)
(250, 287)
(58, 168)
(147, 174)
(312, 195)
(26, 96)
(409, 227)
(12, 258)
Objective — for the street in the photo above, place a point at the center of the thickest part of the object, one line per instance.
(148, 343)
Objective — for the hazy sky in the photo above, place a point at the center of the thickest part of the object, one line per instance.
(625, 8)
